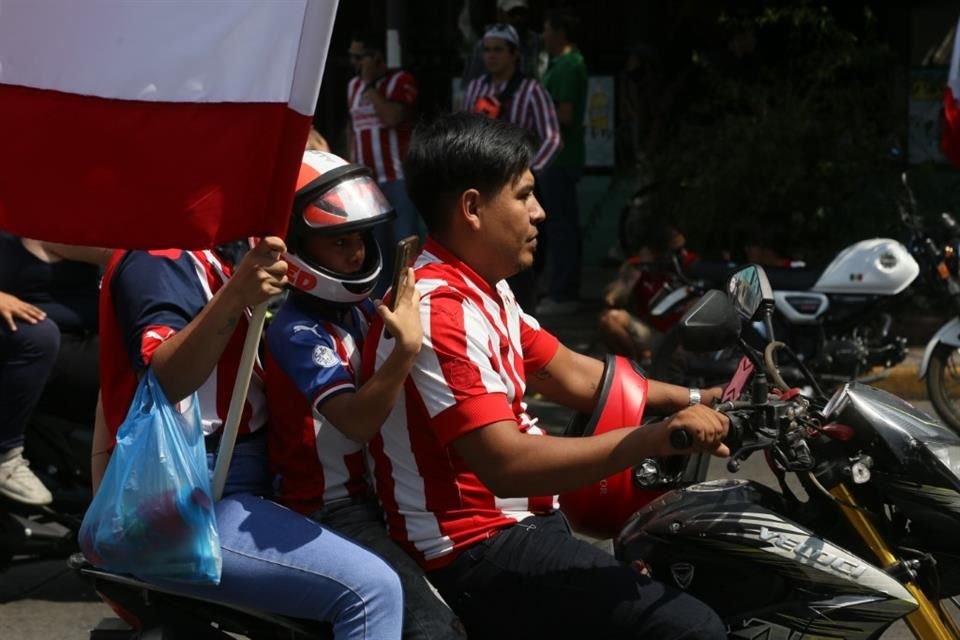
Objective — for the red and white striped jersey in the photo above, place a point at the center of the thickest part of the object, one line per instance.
(146, 298)
(478, 347)
(529, 107)
(379, 147)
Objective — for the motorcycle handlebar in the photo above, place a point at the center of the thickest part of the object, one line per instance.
(681, 440)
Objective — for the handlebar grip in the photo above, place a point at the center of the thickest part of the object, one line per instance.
(680, 439)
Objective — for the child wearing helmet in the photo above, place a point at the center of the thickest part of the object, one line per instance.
(323, 415)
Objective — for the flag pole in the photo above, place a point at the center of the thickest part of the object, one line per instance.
(239, 398)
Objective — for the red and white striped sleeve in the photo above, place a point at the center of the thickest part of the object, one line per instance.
(543, 116)
(454, 374)
(402, 88)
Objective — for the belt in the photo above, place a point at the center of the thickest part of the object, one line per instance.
(212, 441)
(333, 505)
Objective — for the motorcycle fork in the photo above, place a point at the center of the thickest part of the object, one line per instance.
(929, 620)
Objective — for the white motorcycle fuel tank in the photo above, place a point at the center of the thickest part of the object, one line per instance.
(879, 267)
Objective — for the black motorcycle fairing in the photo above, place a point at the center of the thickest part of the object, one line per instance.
(710, 324)
(909, 436)
(725, 543)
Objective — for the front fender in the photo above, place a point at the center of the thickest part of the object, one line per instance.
(948, 334)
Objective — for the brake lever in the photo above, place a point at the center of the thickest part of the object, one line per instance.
(737, 457)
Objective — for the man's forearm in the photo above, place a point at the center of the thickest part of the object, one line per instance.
(517, 465)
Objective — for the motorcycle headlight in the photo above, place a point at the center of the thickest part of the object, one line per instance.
(948, 455)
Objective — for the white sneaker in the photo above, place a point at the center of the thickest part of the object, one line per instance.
(18, 483)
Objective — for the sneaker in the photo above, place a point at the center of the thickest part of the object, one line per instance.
(551, 307)
(18, 483)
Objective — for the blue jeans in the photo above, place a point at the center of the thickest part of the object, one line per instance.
(559, 188)
(407, 223)
(279, 561)
(27, 356)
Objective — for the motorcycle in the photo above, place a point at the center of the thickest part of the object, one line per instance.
(839, 319)
(868, 533)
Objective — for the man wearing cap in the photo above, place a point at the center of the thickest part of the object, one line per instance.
(533, 58)
(505, 93)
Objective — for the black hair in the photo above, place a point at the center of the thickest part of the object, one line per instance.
(459, 151)
(371, 40)
(565, 20)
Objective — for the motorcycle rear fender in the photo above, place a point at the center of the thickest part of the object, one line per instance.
(948, 334)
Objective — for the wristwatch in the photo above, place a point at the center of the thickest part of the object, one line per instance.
(694, 396)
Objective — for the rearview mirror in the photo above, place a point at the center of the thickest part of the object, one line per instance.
(749, 290)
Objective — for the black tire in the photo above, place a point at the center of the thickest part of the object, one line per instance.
(943, 385)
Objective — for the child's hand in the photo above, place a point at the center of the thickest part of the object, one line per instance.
(404, 322)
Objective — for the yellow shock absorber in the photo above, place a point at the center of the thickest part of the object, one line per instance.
(929, 621)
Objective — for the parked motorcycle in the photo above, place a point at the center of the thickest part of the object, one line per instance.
(868, 533)
(839, 319)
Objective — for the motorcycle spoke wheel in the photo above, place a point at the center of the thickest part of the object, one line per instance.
(943, 385)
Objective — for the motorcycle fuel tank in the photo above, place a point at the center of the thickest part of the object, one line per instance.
(725, 543)
(879, 266)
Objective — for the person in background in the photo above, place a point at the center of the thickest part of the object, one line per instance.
(532, 58)
(465, 475)
(48, 347)
(626, 325)
(505, 93)
(184, 315)
(566, 82)
(322, 415)
(382, 103)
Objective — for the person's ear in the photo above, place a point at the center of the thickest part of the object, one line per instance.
(470, 205)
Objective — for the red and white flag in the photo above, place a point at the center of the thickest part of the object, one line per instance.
(141, 124)
(950, 137)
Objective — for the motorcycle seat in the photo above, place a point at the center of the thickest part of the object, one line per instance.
(793, 279)
(123, 589)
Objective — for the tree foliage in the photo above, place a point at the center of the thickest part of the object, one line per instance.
(784, 132)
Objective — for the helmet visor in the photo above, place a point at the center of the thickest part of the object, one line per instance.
(354, 202)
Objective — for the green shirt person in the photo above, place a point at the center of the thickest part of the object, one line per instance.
(566, 82)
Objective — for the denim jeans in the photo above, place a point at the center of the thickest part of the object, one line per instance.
(425, 615)
(27, 357)
(535, 580)
(282, 562)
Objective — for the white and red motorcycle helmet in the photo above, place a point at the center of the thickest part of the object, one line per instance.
(334, 197)
(601, 509)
